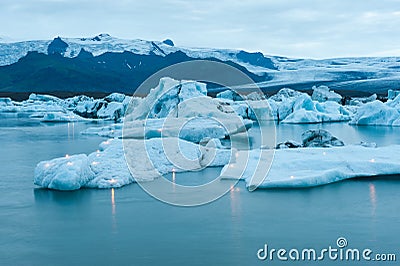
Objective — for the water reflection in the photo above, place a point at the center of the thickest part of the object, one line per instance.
(113, 210)
(235, 201)
(372, 197)
(113, 201)
(71, 131)
(173, 180)
(64, 198)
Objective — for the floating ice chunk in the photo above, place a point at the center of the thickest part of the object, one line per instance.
(304, 110)
(165, 98)
(319, 138)
(66, 173)
(148, 159)
(289, 144)
(285, 94)
(307, 167)
(377, 113)
(323, 94)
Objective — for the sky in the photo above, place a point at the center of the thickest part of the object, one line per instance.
(292, 28)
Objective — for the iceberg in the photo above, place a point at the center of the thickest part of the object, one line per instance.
(377, 113)
(102, 109)
(66, 173)
(164, 99)
(144, 160)
(294, 107)
(308, 167)
(304, 110)
(319, 138)
(181, 99)
(51, 108)
(323, 94)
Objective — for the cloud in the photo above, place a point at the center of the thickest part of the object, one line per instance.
(306, 28)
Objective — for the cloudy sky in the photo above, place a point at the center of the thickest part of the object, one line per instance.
(306, 28)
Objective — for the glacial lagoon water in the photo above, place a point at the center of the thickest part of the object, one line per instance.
(126, 226)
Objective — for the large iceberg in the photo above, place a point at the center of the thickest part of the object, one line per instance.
(307, 167)
(377, 113)
(145, 159)
(180, 99)
(302, 109)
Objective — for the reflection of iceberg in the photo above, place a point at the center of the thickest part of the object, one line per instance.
(307, 167)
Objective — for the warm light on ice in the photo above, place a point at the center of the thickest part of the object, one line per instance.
(292, 177)
(372, 160)
(70, 163)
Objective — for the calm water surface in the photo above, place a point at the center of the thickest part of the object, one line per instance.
(128, 227)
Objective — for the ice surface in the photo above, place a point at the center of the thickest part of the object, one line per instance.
(307, 167)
